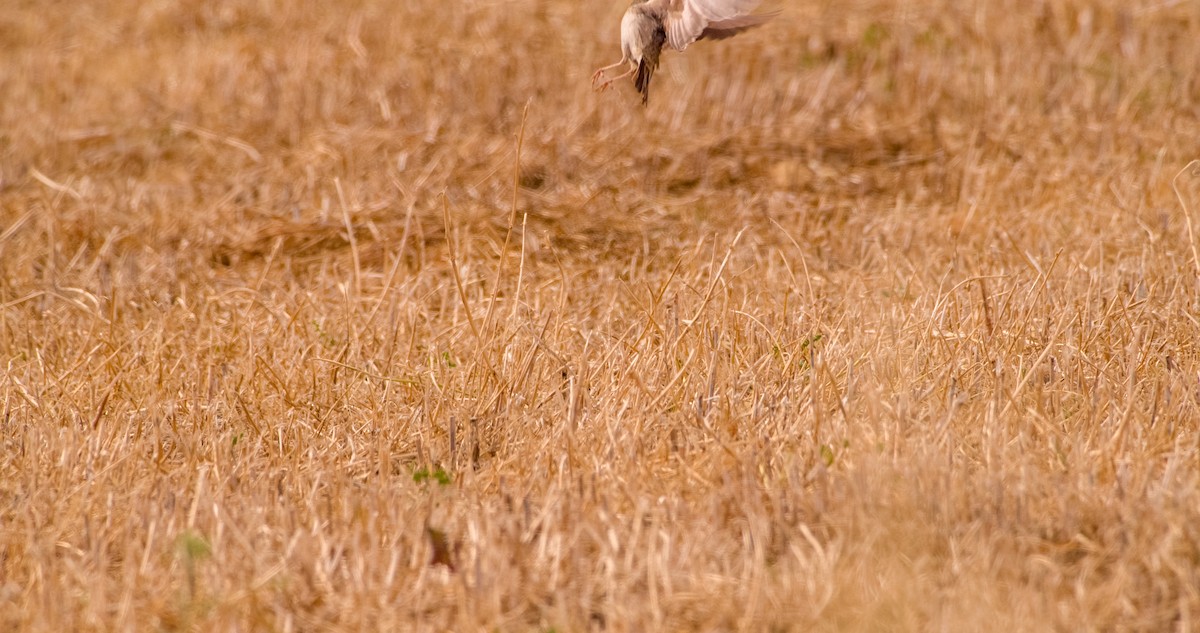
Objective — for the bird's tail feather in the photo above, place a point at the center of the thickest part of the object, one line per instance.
(649, 62)
(645, 72)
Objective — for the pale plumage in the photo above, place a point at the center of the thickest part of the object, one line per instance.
(648, 25)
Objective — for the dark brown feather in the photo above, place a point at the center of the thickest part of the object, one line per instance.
(649, 63)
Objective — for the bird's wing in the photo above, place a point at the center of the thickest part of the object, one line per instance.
(686, 20)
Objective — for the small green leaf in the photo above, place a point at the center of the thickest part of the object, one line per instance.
(874, 35)
(194, 547)
(423, 475)
(827, 455)
(812, 340)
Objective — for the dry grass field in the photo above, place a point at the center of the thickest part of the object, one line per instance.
(371, 315)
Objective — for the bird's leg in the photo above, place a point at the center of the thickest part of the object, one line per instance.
(608, 82)
(600, 73)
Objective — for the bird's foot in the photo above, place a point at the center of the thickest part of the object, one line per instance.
(608, 81)
(600, 75)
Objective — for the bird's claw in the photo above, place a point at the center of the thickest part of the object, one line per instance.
(601, 81)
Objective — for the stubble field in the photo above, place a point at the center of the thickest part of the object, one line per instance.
(372, 316)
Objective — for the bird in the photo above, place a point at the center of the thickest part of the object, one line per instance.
(649, 25)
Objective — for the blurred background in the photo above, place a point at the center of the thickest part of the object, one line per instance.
(246, 111)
